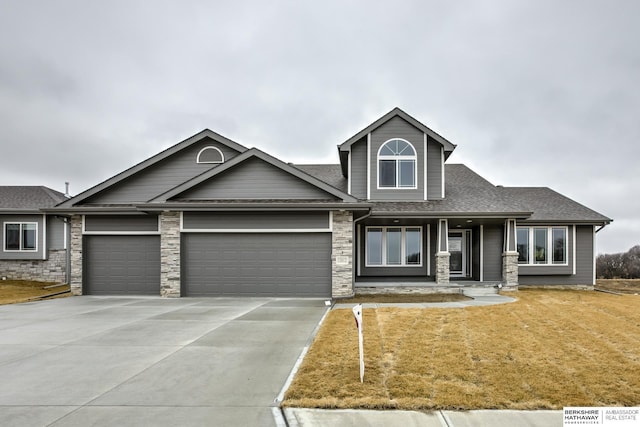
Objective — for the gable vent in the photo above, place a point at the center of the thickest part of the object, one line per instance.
(210, 155)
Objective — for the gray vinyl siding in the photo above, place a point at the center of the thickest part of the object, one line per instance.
(434, 249)
(26, 255)
(254, 179)
(434, 170)
(120, 223)
(584, 263)
(397, 128)
(255, 221)
(492, 253)
(55, 233)
(359, 169)
(161, 177)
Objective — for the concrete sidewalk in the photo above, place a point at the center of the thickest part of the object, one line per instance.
(302, 417)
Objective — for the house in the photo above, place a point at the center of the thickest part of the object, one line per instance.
(209, 216)
(34, 244)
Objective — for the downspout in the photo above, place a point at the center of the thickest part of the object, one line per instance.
(601, 227)
(355, 221)
(67, 240)
(67, 222)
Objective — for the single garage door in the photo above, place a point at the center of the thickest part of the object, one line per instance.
(256, 264)
(122, 265)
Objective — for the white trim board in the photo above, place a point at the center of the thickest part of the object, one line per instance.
(428, 249)
(121, 233)
(369, 166)
(256, 230)
(44, 237)
(424, 168)
(349, 171)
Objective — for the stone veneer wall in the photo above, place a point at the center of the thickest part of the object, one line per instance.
(510, 271)
(52, 269)
(76, 255)
(170, 254)
(442, 268)
(342, 255)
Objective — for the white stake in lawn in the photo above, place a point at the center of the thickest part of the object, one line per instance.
(357, 313)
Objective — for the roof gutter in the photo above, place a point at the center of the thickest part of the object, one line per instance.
(250, 206)
(601, 227)
(417, 214)
(355, 221)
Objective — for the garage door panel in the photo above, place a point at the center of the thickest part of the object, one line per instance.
(122, 265)
(273, 264)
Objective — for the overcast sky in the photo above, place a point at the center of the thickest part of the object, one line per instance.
(534, 93)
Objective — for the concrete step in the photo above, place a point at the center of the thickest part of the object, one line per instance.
(479, 291)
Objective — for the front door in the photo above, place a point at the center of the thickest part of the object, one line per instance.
(459, 261)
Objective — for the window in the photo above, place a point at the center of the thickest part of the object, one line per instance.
(394, 246)
(540, 242)
(210, 155)
(559, 245)
(20, 236)
(523, 245)
(549, 245)
(397, 165)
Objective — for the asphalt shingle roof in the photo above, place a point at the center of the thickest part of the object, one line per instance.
(465, 192)
(26, 198)
(548, 205)
(331, 174)
(468, 192)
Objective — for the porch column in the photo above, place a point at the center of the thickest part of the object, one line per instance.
(510, 257)
(170, 254)
(75, 249)
(443, 255)
(342, 254)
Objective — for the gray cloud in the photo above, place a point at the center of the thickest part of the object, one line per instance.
(534, 93)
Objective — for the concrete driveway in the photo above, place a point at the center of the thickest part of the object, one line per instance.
(121, 361)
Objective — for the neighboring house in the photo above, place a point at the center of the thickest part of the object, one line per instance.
(211, 217)
(34, 244)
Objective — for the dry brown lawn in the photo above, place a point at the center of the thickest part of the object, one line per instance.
(624, 286)
(14, 291)
(549, 349)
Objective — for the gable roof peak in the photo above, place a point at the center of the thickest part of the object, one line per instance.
(398, 112)
(152, 161)
(253, 153)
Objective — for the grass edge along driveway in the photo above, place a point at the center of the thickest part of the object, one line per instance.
(549, 349)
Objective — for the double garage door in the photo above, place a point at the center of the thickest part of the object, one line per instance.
(213, 264)
(260, 264)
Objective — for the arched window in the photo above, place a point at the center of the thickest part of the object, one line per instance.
(210, 155)
(397, 164)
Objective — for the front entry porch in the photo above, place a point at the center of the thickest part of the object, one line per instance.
(413, 255)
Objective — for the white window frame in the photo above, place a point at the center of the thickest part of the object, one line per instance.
(21, 224)
(398, 159)
(549, 261)
(210, 147)
(403, 245)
